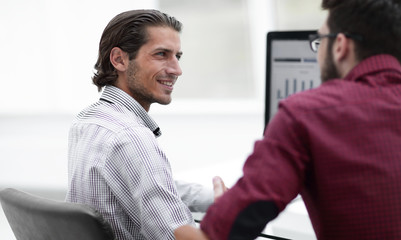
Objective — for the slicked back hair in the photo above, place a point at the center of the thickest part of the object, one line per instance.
(128, 31)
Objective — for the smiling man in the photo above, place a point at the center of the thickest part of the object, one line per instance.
(115, 163)
(151, 76)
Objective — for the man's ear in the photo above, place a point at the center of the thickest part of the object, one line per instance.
(341, 47)
(344, 55)
(119, 59)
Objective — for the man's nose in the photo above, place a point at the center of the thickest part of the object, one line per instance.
(174, 67)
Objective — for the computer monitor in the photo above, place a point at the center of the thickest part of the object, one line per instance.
(291, 67)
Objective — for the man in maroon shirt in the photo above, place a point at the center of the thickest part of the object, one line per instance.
(338, 145)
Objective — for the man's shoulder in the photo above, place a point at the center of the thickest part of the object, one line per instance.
(331, 94)
(312, 97)
(113, 117)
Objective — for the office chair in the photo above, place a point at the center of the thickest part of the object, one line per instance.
(36, 218)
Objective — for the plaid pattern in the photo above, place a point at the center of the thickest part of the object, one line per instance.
(339, 145)
(116, 166)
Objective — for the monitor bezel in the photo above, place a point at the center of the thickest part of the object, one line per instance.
(278, 35)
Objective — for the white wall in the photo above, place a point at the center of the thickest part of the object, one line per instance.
(48, 50)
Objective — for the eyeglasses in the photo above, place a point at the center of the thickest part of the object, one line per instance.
(314, 39)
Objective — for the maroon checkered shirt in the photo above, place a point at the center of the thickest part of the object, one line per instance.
(339, 146)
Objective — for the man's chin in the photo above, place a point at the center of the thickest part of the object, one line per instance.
(164, 101)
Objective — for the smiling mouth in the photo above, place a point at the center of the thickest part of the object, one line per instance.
(166, 83)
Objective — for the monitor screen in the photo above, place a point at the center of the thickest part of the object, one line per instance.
(291, 67)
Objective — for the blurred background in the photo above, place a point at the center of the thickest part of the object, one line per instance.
(48, 51)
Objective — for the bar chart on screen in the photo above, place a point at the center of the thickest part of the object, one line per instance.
(291, 67)
(293, 77)
(290, 76)
(293, 86)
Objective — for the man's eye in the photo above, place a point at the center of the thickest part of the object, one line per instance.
(161, 54)
(178, 56)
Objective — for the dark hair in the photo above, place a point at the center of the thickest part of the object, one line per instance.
(128, 31)
(377, 21)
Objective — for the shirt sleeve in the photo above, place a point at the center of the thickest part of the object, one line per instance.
(272, 177)
(197, 197)
(140, 176)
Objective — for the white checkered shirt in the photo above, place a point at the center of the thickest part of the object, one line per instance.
(116, 165)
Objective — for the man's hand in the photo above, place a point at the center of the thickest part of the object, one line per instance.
(218, 187)
(188, 232)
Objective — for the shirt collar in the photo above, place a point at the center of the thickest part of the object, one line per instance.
(377, 63)
(117, 96)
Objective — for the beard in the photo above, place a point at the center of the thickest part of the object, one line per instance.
(138, 89)
(329, 70)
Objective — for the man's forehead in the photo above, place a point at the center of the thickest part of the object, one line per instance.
(324, 28)
(164, 38)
